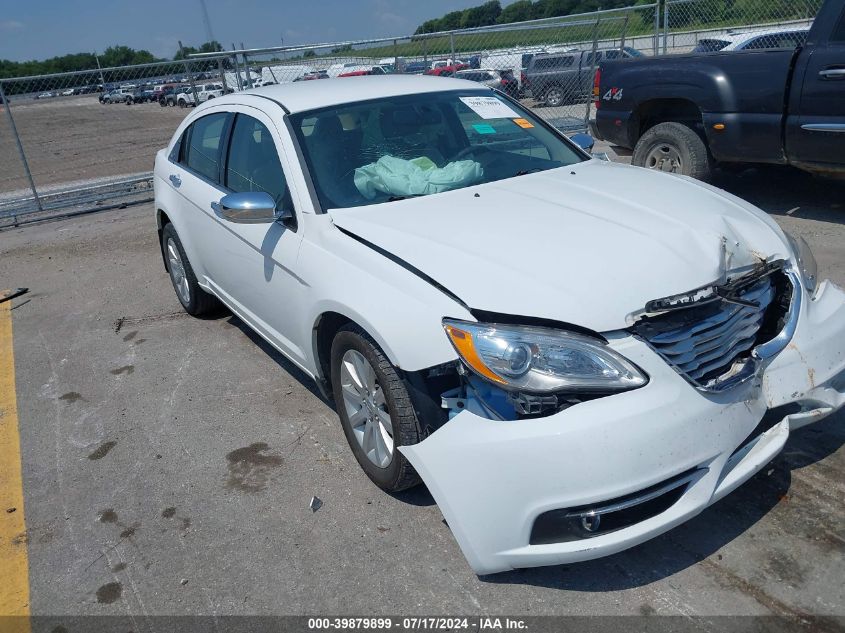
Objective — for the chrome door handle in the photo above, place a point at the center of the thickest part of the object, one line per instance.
(832, 73)
(175, 180)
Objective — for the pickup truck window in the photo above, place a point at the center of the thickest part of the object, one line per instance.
(838, 34)
(549, 63)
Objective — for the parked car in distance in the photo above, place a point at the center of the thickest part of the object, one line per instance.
(45, 95)
(753, 40)
(121, 95)
(145, 94)
(415, 68)
(499, 79)
(447, 71)
(310, 76)
(564, 78)
(403, 241)
(688, 114)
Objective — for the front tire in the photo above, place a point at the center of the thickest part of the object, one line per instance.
(195, 300)
(375, 409)
(673, 148)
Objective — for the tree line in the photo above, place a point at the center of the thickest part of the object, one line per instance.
(492, 12)
(701, 12)
(111, 57)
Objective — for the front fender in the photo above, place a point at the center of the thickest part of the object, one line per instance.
(402, 312)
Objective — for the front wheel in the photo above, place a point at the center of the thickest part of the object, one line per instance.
(194, 299)
(182, 104)
(375, 409)
(673, 148)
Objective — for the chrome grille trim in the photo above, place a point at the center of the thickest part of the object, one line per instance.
(721, 350)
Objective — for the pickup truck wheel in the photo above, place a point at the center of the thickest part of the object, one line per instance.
(673, 148)
(554, 97)
(375, 409)
(194, 299)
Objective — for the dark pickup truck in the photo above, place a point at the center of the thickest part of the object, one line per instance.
(688, 113)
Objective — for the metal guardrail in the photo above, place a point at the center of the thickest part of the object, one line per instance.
(81, 199)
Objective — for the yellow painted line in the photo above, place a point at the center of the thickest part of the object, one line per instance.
(14, 567)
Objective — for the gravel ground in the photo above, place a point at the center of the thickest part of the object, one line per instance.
(169, 463)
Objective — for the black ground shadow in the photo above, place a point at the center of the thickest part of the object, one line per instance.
(785, 190)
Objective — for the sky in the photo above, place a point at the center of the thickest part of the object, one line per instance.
(39, 29)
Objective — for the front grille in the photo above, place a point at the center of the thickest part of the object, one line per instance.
(711, 343)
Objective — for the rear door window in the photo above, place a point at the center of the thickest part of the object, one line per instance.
(205, 141)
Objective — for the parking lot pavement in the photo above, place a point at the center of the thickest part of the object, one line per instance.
(169, 462)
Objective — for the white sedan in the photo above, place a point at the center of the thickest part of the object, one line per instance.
(573, 355)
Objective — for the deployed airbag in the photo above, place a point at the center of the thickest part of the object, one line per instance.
(418, 176)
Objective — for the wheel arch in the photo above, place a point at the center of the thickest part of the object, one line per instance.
(665, 110)
(162, 219)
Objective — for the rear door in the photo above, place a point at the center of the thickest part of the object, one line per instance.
(816, 121)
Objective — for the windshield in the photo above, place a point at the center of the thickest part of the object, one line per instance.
(387, 149)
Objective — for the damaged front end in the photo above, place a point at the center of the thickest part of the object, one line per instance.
(554, 446)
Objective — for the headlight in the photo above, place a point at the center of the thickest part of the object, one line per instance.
(805, 261)
(541, 360)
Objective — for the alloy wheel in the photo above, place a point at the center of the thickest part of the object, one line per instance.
(177, 272)
(366, 408)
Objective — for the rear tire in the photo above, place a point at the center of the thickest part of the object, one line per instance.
(387, 394)
(673, 148)
(195, 300)
(554, 97)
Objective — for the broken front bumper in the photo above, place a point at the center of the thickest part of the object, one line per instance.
(625, 453)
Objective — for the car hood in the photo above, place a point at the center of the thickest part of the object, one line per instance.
(589, 244)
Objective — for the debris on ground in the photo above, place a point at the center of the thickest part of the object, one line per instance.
(6, 295)
(315, 504)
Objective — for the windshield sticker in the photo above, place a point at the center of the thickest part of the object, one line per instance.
(484, 128)
(523, 123)
(489, 107)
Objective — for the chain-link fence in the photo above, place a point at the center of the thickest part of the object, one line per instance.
(83, 141)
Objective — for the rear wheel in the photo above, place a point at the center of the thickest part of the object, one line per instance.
(554, 97)
(194, 299)
(673, 148)
(375, 409)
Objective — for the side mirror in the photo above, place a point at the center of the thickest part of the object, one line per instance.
(251, 207)
(584, 141)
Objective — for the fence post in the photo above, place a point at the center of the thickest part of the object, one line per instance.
(588, 109)
(248, 71)
(188, 73)
(238, 77)
(425, 51)
(8, 106)
(656, 28)
(452, 45)
(665, 25)
(624, 29)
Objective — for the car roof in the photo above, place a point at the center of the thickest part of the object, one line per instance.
(301, 96)
(747, 35)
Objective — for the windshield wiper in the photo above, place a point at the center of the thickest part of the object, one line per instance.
(410, 195)
(522, 172)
